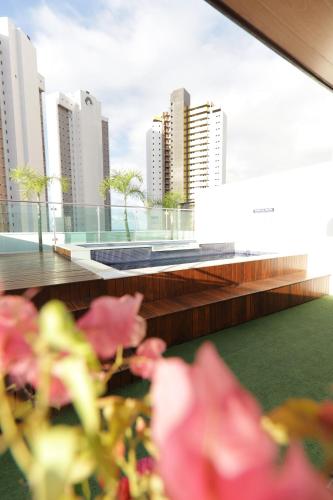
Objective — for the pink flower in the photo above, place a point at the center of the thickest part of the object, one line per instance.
(207, 428)
(147, 354)
(59, 395)
(145, 465)
(27, 372)
(18, 322)
(211, 443)
(112, 322)
(296, 480)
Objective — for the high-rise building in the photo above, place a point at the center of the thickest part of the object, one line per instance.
(21, 113)
(179, 135)
(78, 149)
(106, 154)
(186, 148)
(155, 177)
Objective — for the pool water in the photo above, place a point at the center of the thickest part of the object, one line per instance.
(144, 256)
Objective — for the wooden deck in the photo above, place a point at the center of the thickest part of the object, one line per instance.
(29, 270)
(178, 305)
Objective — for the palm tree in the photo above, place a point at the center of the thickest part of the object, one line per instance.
(128, 183)
(171, 200)
(35, 184)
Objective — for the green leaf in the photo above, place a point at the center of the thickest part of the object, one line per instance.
(299, 417)
(75, 375)
(172, 200)
(20, 409)
(57, 457)
(33, 183)
(126, 182)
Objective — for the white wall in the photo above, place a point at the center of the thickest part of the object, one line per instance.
(21, 87)
(53, 164)
(30, 103)
(89, 162)
(53, 149)
(154, 152)
(302, 219)
(85, 142)
(217, 147)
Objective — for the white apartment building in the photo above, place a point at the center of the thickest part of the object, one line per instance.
(186, 148)
(155, 160)
(78, 148)
(206, 148)
(21, 115)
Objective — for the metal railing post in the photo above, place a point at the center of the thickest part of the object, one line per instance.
(179, 223)
(135, 224)
(98, 225)
(193, 224)
(166, 213)
(55, 239)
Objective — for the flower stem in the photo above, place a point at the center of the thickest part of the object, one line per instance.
(42, 398)
(13, 438)
(116, 365)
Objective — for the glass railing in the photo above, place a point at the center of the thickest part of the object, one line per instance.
(76, 224)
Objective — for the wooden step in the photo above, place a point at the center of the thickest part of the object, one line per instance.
(181, 303)
(189, 301)
(209, 296)
(171, 283)
(197, 314)
(193, 315)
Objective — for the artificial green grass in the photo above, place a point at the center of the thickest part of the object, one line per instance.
(283, 355)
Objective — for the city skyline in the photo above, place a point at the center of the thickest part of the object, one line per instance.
(59, 135)
(21, 115)
(186, 148)
(278, 117)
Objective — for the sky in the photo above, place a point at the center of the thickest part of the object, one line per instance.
(131, 54)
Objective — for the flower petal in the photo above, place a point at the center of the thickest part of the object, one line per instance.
(112, 322)
(147, 354)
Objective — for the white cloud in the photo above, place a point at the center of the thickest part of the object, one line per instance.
(132, 54)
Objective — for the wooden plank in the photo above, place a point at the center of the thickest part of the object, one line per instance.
(186, 324)
(179, 284)
(190, 324)
(22, 271)
(211, 296)
(299, 30)
(175, 283)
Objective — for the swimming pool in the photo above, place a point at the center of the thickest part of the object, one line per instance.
(139, 257)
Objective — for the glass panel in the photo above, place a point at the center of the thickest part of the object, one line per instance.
(75, 224)
(186, 224)
(123, 224)
(19, 227)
